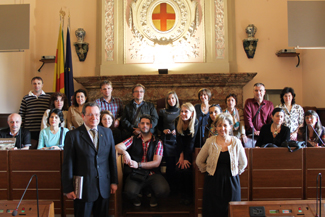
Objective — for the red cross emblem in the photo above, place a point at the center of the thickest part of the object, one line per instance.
(163, 17)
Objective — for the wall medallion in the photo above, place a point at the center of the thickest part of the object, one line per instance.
(172, 27)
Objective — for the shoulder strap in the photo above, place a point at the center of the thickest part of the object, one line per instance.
(258, 111)
(135, 121)
(61, 135)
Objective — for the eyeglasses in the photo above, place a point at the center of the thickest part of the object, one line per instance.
(92, 115)
(141, 91)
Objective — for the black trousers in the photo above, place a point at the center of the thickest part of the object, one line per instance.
(99, 208)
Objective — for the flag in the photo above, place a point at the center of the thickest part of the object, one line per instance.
(68, 73)
(58, 83)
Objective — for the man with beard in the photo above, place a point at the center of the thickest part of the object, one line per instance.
(142, 155)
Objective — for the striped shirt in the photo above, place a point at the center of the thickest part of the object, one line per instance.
(32, 109)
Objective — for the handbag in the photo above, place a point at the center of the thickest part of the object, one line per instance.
(292, 143)
(269, 145)
(139, 175)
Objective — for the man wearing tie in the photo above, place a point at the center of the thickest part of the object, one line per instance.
(89, 151)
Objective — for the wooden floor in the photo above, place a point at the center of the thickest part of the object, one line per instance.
(169, 206)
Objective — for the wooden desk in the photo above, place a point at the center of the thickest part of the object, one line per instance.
(297, 207)
(277, 174)
(28, 208)
(4, 176)
(314, 164)
(46, 164)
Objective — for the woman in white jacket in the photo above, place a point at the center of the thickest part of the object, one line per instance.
(223, 159)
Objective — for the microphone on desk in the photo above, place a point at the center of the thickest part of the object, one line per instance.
(14, 213)
(319, 193)
(316, 134)
(19, 137)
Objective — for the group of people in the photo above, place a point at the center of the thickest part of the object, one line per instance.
(287, 121)
(146, 137)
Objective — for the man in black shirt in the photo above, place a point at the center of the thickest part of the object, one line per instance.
(14, 131)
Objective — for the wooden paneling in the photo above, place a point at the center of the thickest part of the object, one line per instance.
(245, 179)
(276, 158)
(4, 120)
(315, 164)
(277, 193)
(46, 179)
(277, 174)
(46, 164)
(198, 185)
(277, 178)
(4, 177)
(35, 160)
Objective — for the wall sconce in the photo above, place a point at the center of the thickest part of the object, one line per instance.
(163, 71)
(80, 45)
(250, 43)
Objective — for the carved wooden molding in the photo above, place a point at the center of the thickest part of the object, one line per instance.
(176, 80)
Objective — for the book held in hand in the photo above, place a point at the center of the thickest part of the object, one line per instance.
(78, 184)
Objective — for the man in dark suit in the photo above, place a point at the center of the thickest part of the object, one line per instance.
(89, 151)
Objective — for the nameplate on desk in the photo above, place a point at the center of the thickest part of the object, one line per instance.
(7, 143)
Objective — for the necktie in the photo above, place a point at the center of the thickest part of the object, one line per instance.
(95, 137)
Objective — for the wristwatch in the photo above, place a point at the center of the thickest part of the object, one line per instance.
(139, 165)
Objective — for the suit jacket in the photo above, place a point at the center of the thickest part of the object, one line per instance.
(82, 159)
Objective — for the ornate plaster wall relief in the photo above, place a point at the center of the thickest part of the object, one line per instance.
(109, 30)
(172, 27)
(220, 40)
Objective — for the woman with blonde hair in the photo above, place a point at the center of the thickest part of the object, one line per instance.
(187, 127)
(222, 159)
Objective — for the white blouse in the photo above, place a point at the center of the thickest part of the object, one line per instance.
(294, 118)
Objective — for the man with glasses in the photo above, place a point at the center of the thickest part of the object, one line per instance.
(134, 110)
(89, 151)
